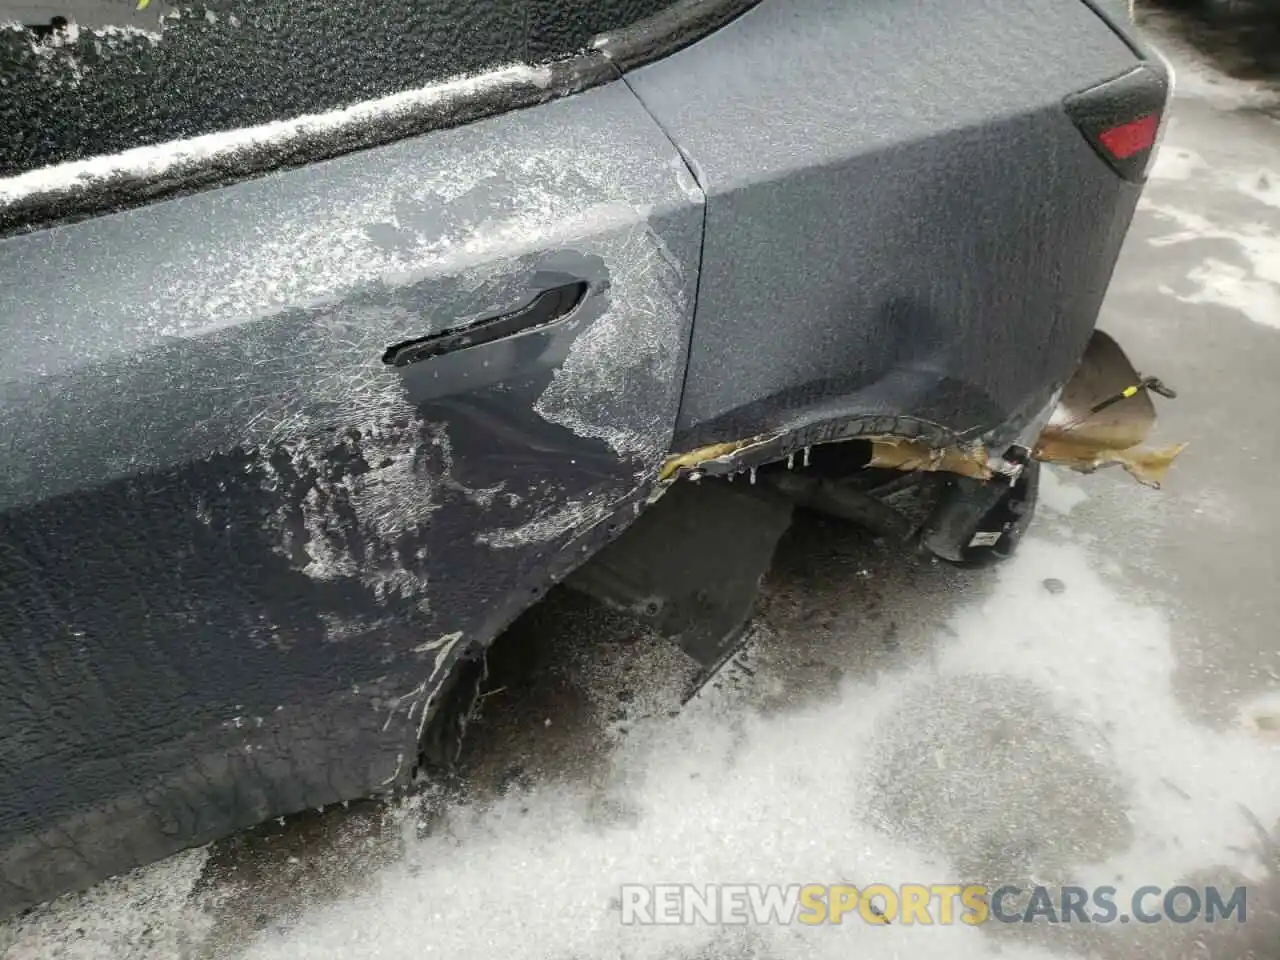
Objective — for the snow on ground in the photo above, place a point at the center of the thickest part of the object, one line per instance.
(145, 914)
(1022, 723)
(1039, 718)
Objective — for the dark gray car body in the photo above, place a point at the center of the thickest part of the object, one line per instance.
(239, 554)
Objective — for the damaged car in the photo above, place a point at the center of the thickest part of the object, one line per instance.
(336, 335)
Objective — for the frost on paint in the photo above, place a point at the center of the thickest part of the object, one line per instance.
(352, 522)
(611, 385)
(63, 56)
(348, 504)
(272, 328)
(55, 59)
(627, 356)
(356, 471)
(558, 520)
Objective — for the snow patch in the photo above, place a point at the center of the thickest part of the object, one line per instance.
(1057, 495)
(115, 33)
(57, 57)
(145, 913)
(1119, 680)
(1251, 290)
(1227, 285)
(864, 787)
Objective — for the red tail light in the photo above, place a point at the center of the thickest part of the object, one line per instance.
(1124, 141)
(1121, 118)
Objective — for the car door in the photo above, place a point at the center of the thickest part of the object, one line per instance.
(274, 456)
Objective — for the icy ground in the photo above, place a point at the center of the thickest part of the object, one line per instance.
(1104, 709)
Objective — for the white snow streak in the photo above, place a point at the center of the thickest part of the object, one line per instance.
(575, 516)
(145, 913)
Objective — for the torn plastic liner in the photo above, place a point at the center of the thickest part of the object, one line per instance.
(1105, 415)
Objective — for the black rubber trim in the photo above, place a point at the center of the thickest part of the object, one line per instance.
(610, 56)
(673, 29)
(547, 308)
(1125, 33)
(1140, 92)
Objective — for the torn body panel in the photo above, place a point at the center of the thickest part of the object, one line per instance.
(987, 485)
(239, 553)
(933, 314)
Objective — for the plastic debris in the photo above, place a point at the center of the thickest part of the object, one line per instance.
(898, 454)
(1104, 416)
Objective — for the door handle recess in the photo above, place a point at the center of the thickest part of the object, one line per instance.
(546, 308)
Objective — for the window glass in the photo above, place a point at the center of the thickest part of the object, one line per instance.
(91, 77)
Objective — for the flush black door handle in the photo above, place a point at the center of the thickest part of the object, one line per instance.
(546, 308)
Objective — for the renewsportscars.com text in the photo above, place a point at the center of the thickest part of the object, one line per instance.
(925, 904)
